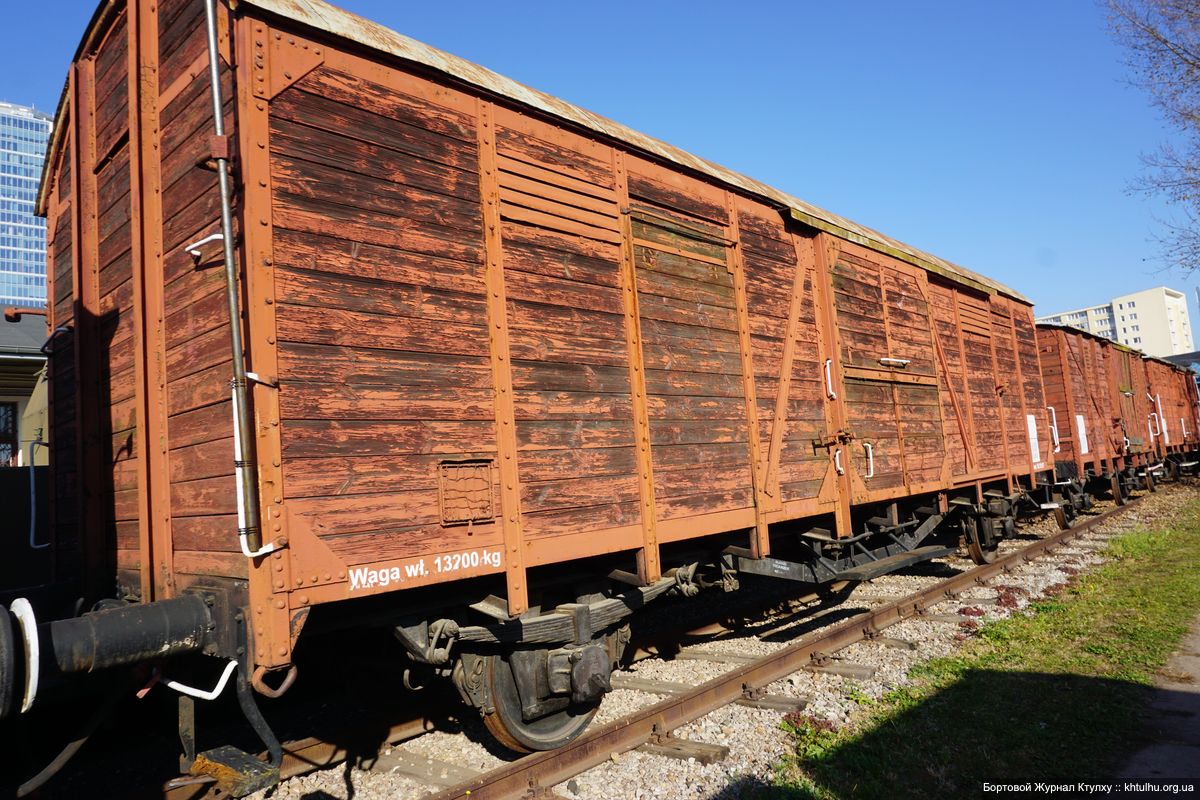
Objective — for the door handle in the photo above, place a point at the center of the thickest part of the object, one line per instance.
(829, 379)
(837, 461)
(870, 460)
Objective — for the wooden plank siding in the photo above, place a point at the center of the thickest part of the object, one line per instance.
(94, 449)
(1128, 387)
(117, 437)
(1074, 374)
(380, 313)
(62, 413)
(1167, 385)
(780, 273)
(690, 345)
(195, 313)
(890, 375)
(560, 235)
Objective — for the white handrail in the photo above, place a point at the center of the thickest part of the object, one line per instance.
(837, 461)
(193, 249)
(870, 460)
(201, 694)
(1162, 420)
(1054, 427)
(829, 379)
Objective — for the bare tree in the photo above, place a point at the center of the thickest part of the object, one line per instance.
(1162, 41)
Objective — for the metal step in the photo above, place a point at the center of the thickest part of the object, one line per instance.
(237, 773)
(866, 572)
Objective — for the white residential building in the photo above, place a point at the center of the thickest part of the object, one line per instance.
(1154, 321)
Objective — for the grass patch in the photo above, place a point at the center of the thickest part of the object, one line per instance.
(1055, 695)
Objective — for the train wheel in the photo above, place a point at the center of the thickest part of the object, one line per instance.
(1118, 491)
(982, 546)
(509, 725)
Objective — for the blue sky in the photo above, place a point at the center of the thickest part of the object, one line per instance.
(1002, 136)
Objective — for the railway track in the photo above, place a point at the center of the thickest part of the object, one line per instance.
(535, 774)
(651, 727)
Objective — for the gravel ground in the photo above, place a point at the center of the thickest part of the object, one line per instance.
(754, 737)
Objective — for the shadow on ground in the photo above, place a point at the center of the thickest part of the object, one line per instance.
(988, 727)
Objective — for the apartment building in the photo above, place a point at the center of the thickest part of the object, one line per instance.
(1154, 321)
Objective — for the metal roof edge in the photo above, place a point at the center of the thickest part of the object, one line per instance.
(895, 252)
(341, 23)
(1054, 326)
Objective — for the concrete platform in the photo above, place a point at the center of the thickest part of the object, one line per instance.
(1172, 722)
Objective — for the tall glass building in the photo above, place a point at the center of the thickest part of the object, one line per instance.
(24, 133)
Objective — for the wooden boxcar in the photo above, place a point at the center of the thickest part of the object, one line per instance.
(1118, 413)
(1088, 436)
(1089, 382)
(499, 348)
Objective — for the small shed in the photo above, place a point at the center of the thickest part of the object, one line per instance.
(22, 390)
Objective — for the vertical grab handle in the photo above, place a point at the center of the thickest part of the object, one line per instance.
(829, 379)
(1054, 427)
(1162, 419)
(837, 461)
(1156, 428)
(870, 460)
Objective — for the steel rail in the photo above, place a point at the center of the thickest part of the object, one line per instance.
(540, 771)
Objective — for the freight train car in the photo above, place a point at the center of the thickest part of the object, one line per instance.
(1089, 381)
(1120, 419)
(1087, 429)
(351, 332)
